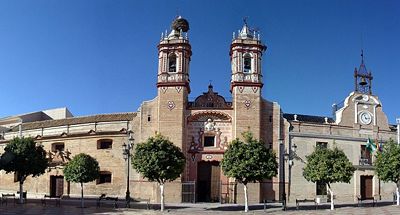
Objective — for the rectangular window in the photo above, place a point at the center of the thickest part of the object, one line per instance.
(57, 147)
(365, 158)
(322, 145)
(104, 144)
(105, 177)
(321, 188)
(209, 141)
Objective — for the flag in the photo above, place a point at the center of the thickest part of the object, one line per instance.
(381, 146)
(376, 143)
(371, 147)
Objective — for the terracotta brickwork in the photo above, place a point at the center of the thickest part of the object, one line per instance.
(203, 129)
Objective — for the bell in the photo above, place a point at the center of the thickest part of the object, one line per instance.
(363, 82)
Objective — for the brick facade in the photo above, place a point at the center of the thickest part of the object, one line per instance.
(202, 129)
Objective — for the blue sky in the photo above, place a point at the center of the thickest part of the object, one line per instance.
(101, 57)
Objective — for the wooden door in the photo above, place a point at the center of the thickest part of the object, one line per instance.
(203, 181)
(366, 186)
(215, 182)
(208, 181)
(56, 186)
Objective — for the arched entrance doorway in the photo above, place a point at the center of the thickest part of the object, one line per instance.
(208, 181)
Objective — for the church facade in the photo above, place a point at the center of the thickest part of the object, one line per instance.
(203, 128)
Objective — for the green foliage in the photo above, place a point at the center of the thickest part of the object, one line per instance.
(249, 161)
(328, 166)
(158, 159)
(387, 162)
(82, 169)
(23, 156)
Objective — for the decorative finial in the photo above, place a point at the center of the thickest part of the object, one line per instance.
(245, 20)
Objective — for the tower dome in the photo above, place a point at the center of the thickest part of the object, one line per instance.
(180, 24)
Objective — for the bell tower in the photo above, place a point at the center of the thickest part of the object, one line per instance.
(174, 52)
(362, 78)
(246, 82)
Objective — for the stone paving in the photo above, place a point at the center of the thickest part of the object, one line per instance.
(72, 208)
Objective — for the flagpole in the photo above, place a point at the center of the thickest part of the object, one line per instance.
(398, 130)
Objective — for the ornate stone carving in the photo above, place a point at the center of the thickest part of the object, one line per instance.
(200, 116)
(247, 104)
(209, 125)
(58, 158)
(171, 105)
(224, 144)
(210, 100)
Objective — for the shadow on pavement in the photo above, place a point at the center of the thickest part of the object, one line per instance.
(236, 208)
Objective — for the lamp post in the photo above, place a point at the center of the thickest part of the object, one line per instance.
(398, 130)
(126, 152)
(288, 156)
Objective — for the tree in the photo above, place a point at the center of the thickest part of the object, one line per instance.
(249, 161)
(24, 158)
(82, 169)
(387, 165)
(328, 166)
(158, 159)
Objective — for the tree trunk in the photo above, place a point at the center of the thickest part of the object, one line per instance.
(162, 196)
(397, 194)
(246, 206)
(21, 197)
(330, 191)
(82, 203)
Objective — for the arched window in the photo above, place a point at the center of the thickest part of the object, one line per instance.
(247, 63)
(172, 63)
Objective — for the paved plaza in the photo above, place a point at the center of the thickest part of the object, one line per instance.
(72, 208)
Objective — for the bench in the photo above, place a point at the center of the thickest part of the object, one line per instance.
(57, 200)
(266, 201)
(106, 199)
(6, 196)
(298, 201)
(361, 200)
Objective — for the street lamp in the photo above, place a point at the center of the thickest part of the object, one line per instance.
(126, 152)
(291, 155)
(288, 156)
(398, 130)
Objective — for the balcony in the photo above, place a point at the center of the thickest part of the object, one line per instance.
(365, 161)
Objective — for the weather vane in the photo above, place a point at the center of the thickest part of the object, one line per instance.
(245, 19)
